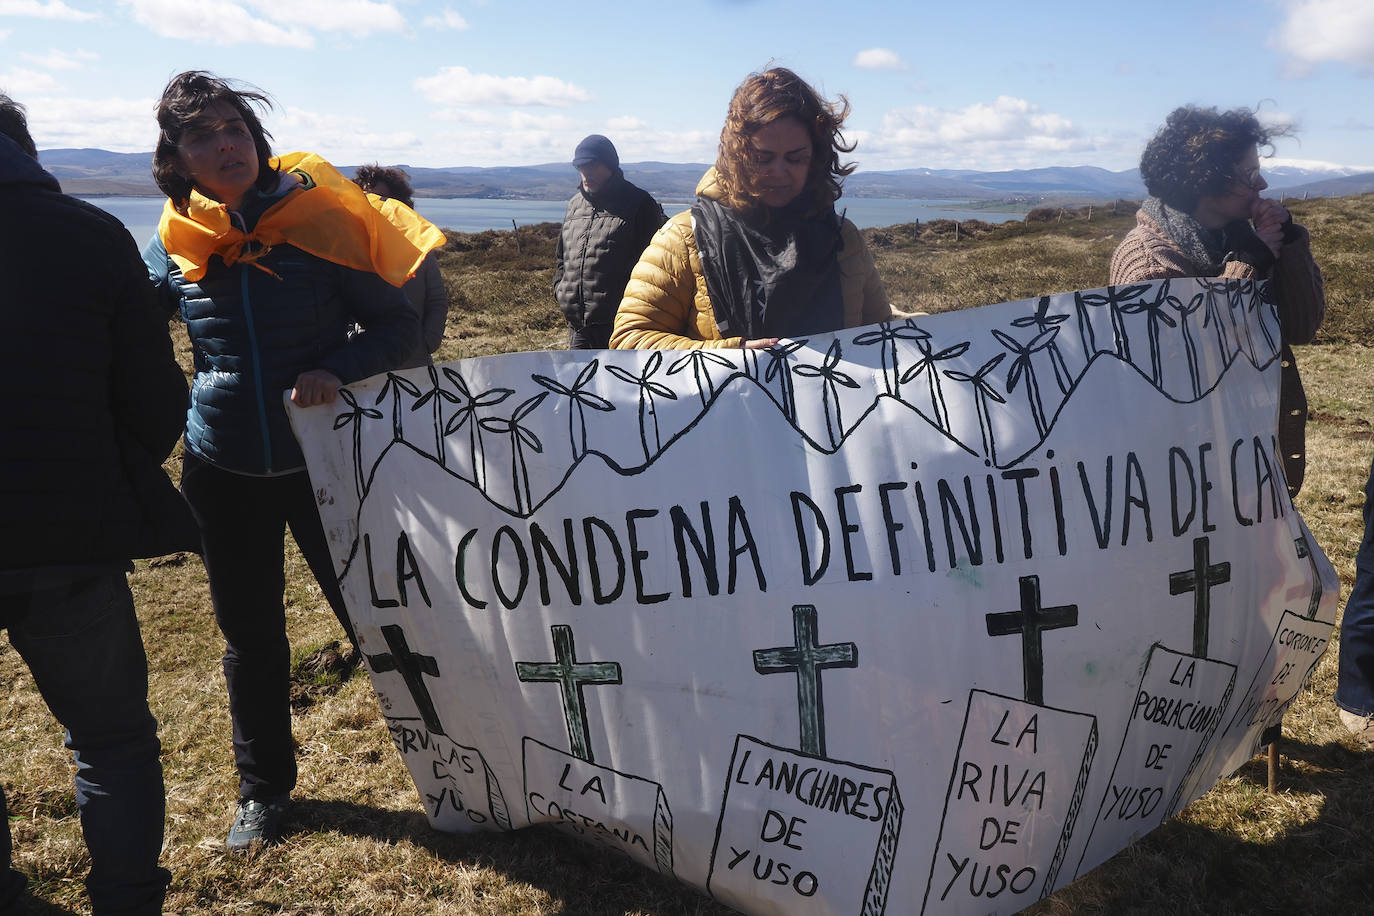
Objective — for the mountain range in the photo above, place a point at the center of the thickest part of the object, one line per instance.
(95, 172)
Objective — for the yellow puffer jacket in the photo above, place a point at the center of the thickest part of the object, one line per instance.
(666, 306)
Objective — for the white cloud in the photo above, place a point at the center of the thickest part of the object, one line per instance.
(647, 143)
(1003, 134)
(1328, 31)
(214, 22)
(525, 120)
(506, 146)
(286, 23)
(483, 137)
(508, 120)
(636, 140)
(1277, 120)
(489, 138)
(1006, 119)
(357, 17)
(62, 60)
(18, 83)
(472, 136)
(119, 125)
(475, 117)
(626, 123)
(448, 19)
(453, 86)
(38, 9)
(4, 33)
(342, 139)
(878, 59)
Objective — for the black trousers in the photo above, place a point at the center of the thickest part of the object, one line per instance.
(243, 523)
(82, 645)
(592, 337)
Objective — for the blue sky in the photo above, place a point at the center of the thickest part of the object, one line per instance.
(964, 84)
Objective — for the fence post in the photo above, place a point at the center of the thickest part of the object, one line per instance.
(516, 231)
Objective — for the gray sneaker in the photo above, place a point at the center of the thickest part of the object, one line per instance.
(1360, 727)
(257, 821)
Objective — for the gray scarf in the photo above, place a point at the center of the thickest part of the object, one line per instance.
(1202, 246)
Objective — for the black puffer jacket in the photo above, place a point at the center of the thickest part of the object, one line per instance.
(253, 330)
(93, 400)
(602, 238)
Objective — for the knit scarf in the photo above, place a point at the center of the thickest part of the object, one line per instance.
(329, 217)
(1202, 246)
(773, 273)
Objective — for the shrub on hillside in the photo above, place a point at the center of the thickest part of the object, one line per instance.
(528, 248)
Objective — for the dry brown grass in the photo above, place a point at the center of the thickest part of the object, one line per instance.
(359, 843)
(931, 272)
(500, 291)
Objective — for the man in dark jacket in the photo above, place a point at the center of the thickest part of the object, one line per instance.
(94, 402)
(608, 225)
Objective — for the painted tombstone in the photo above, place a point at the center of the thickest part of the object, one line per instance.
(463, 789)
(775, 798)
(1298, 643)
(1175, 713)
(626, 813)
(932, 615)
(1010, 812)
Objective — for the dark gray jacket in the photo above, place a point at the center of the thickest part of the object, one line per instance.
(601, 241)
(93, 399)
(426, 291)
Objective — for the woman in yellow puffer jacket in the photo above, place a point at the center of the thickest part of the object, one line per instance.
(762, 254)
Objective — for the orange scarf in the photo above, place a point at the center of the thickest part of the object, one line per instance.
(330, 218)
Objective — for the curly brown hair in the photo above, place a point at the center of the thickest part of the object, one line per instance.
(186, 96)
(759, 101)
(1196, 151)
(369, 176)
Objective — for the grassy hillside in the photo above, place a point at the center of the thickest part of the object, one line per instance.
(359, 843)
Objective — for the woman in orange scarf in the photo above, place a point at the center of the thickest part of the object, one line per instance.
(269, 261)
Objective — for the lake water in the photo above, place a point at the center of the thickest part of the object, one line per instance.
(468, 214)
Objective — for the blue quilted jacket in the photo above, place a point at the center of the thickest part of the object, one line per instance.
(253, 331)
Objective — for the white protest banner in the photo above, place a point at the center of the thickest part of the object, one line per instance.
(927, 617)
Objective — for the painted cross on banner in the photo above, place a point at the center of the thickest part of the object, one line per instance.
(1199, 580)
(1032, 621)
(413, 667)
(571, 677)
(807, 658)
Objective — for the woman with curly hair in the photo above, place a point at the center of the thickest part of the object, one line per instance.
(425, 290)
(1205, 218)
(762, 254)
